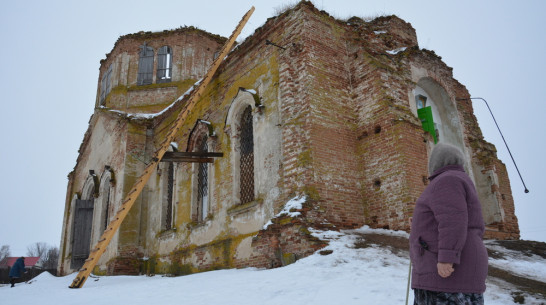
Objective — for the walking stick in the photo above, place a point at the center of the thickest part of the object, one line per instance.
(409, 277)
(409, 272)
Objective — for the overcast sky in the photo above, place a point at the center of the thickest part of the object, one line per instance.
(50, 68)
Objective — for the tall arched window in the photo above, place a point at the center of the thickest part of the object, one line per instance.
(145, 65)
(202, 183)
(107, 181)
(164, 65)
(167, 172)
(168, 220)
(247, 156)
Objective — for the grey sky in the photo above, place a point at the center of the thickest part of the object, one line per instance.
(52, 51)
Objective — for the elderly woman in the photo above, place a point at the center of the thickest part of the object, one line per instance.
(446, 248)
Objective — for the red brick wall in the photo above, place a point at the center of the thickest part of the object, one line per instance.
(126, 263)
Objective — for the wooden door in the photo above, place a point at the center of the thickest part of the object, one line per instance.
(81, 237)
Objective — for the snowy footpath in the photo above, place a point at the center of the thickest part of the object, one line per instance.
(348, 275)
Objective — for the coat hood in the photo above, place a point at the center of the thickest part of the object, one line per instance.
(445, 169)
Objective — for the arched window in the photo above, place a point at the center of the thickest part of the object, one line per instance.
(103, 206)
(438, 112)
(168, 203)
(145, 65)
(247, 156)
(199, 141)
(167, 173)
(202, 183)
(164, 65)
(106, 184)
(106, 210)
(241, 121)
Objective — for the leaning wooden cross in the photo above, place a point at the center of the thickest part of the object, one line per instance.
(135, 191)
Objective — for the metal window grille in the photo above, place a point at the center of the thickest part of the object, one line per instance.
(145, 65)
(169, 207)
(164, 64)
(202, 184)
(247, 157)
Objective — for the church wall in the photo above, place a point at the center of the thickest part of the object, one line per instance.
(102, 148)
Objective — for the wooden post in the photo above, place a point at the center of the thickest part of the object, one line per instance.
(129, 200)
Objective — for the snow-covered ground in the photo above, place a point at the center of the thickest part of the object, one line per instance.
(372, 275)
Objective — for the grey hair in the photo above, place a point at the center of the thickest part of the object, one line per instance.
(444, 155)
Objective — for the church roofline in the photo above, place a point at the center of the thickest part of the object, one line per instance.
(149, 35)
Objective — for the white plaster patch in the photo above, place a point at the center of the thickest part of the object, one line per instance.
(244, 249)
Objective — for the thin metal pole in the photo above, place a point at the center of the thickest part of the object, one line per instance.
(506, 144)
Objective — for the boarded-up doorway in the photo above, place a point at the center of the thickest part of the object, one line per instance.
(81, 238)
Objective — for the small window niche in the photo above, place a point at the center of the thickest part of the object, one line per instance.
(420, 101)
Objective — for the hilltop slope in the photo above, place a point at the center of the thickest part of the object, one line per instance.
(361, 266)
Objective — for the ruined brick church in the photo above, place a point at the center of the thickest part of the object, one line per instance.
(338, 114)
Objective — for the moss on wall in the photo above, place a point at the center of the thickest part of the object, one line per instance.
(221, 251)
(119, 93)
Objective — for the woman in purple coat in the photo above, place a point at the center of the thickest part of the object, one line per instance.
(446, 247)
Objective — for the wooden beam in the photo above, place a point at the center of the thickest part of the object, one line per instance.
(203, 154)
(200, 157)
(187, 159)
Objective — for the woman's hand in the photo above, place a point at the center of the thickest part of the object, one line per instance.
(445, 269)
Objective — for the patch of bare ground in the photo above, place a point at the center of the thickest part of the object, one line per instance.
(396, 244)
(399, 246)
(525, 247)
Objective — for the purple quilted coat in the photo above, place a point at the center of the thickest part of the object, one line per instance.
(448, 227)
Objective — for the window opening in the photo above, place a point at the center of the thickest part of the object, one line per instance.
(247, 157)
(202, 184)
(424, 113)
(105, 85)
(420, 101)
(164, 64)
(145, 65)
(170, 188)
(106, 209)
